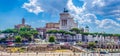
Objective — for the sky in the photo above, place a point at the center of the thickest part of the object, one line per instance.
(99, 15)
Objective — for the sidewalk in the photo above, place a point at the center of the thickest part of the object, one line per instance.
(57, 54)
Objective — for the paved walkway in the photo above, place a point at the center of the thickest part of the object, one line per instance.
(57, 54)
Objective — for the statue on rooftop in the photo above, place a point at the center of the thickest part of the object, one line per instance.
(65, 10)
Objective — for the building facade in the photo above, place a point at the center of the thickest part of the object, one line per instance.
(67, 21)
(52, 26)
(22, 25)
(86, 29)
(42, 32)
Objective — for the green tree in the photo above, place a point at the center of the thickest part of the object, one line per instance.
(26, 34)
(51, 39)
(49, 32)
(96, 42)
(25, 29)
(85, 33)
(76, 30)
(2, 39)
(0, 31)
(52, 31)
(18, 39)
(79, 43)
(34, 33)
(10, 31)
(61, 32)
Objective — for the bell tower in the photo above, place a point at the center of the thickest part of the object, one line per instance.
(23, 21)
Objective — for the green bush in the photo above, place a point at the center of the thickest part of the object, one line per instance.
(91, 44)
(51, 39)
(18, 39)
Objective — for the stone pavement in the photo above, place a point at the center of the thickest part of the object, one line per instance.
(57, 54)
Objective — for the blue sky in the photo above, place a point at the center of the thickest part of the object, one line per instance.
(99, 15)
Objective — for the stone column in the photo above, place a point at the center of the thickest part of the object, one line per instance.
(109, 48)
(118, 47)
(112, 48)
(115, 47)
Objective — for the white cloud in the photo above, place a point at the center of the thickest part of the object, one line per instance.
(118, 19)
(80, 13)
(85, 16)
(73, 8)
(108, 23)
(99, 3)
(49, 6)
(90, 18)
(105, 8)
(39, 21)
(33, 7)
(42, 21)
(116, 11)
